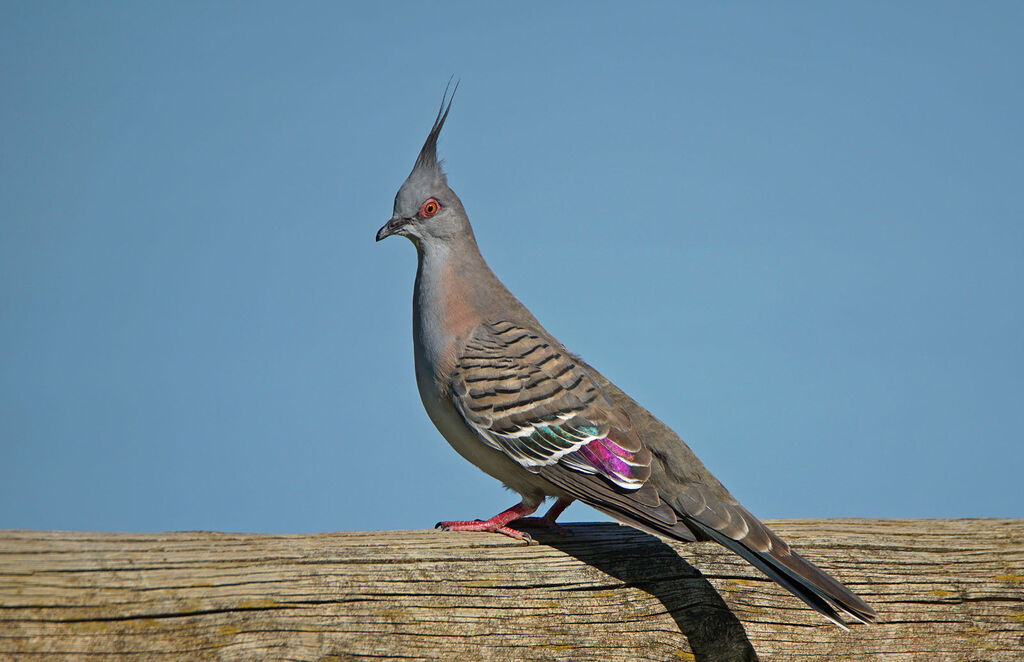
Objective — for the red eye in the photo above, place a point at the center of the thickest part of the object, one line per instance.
(429, 208)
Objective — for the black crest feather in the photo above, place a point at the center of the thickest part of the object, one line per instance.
(427, 159)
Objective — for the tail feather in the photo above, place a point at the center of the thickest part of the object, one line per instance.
(801, 578)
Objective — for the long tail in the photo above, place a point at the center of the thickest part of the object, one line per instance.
(800, 577)
(696, 512)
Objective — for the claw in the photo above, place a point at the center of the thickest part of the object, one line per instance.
(497, 524)
(479, 525)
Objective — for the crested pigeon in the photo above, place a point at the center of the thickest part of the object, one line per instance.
(512, 400)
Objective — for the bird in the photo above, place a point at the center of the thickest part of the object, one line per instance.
(512, 400)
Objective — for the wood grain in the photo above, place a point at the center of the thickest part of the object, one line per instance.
(944, 589)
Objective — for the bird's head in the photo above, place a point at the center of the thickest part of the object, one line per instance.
(426, 210)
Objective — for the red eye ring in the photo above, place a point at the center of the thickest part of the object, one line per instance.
(429, 208)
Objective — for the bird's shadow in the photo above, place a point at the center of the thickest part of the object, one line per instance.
(643, 561)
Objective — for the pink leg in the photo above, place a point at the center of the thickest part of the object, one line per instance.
(496, 524)
(549, 518)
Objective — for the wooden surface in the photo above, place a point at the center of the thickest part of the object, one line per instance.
(944, 589)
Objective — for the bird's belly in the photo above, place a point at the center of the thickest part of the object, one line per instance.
(468, 444)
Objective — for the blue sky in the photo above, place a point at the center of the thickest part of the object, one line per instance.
(793, 231)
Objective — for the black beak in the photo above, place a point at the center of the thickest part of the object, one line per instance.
(392, 226)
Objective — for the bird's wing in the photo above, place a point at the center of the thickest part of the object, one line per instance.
(527, 397)
(529, 400)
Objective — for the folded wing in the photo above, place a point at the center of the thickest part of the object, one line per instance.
(529, 398)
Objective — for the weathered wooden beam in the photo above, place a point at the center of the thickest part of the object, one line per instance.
(944, 589)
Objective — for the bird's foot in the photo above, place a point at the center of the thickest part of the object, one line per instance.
(497, 524)
(548, 521)
(483, 525)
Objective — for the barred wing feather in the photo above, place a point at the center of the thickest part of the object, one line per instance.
(529, 399)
